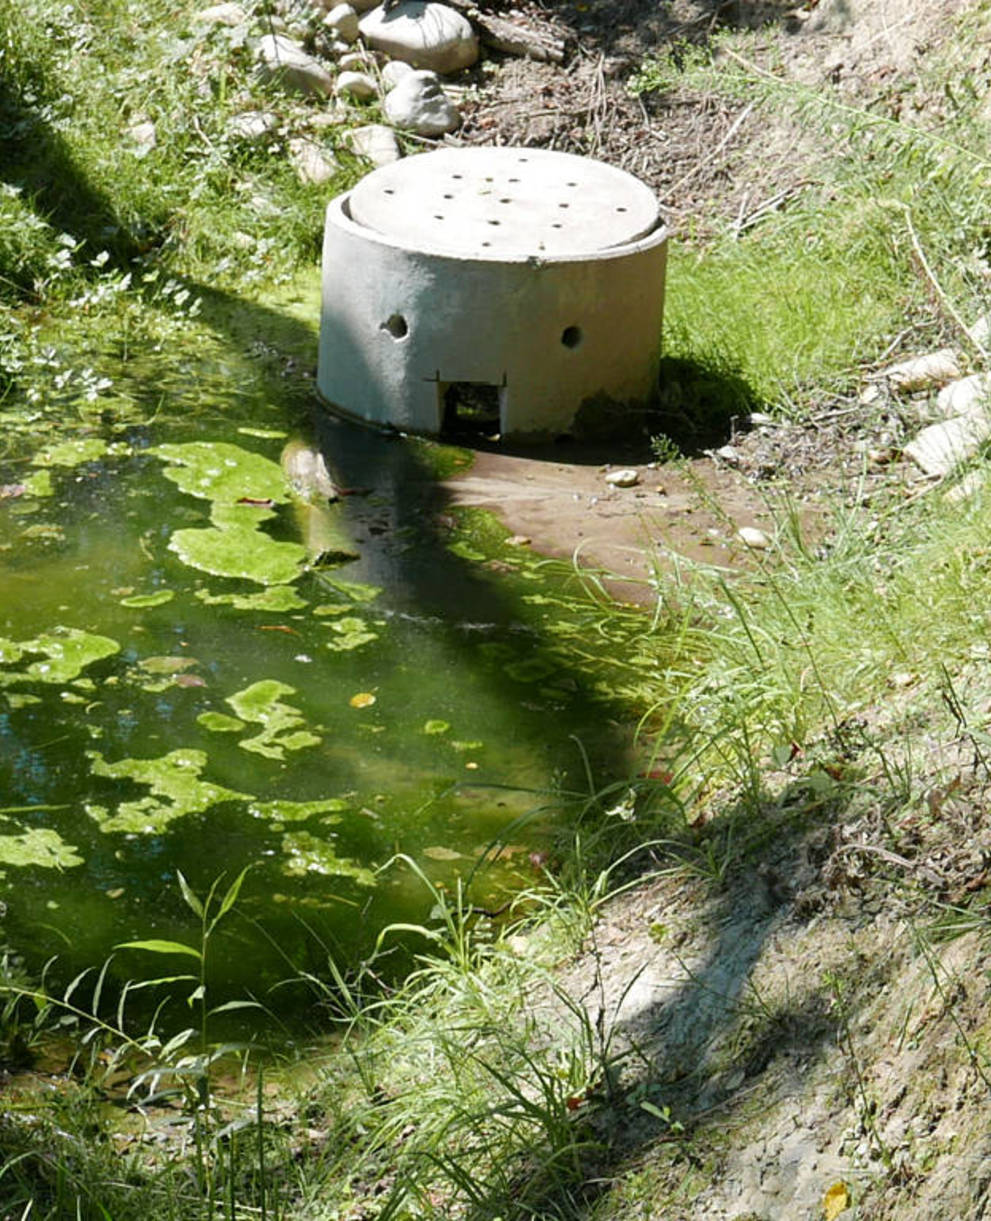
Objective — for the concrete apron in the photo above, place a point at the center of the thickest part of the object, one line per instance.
(464, 272)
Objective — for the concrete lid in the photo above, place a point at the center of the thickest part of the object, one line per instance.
(488, 202)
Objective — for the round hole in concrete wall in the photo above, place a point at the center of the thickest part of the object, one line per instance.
(572, 336)
(397, 326)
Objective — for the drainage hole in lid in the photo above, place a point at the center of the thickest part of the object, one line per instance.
(556, 225)
(493, 222)
(388, 190)
(506, 200)
(448, 196)
(437, 216)
(486, 243)
(562, 205)
(513, 180)
(620, 209)
(458, 176)
(397, 326)
(571, 336)
(571, 184)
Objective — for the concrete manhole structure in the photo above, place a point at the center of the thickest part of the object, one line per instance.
(518, 283)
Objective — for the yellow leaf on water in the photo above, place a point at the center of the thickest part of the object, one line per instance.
(835, 1201)
(364, 699)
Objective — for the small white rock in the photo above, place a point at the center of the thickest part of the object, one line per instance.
(252, 125)
(753, 538)
(965, 396)
(355, 61)
(143, 135)
(924, 372)
(284, 60)
(332, 117)
(342, 21)
(941, 447)
(313, 163)
(972, 483)
(376, 142)
(626, 478)
(419, 104)
(393, 73)
(222, 14)
(357, 85)
(424, 33)
(980, 332)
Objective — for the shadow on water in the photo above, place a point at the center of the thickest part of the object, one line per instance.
(452, 624)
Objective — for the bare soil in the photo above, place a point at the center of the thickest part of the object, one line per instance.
(809, 1033)
(708, 160)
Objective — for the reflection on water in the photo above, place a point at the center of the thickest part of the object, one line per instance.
(160, 710)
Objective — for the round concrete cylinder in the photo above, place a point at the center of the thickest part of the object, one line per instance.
(539, 273)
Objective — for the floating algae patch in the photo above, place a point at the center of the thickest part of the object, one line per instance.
(355, 591)
(276, 598)
(350, 632)
(243, 487)
(178, 789)
(140, 601)
(39, 484)
(222, 472)
(66, 651)
(71, 453)
(261, 704)
(38, 846)
(298, 811)
(220, 722)
(306, 854)
(240, 551)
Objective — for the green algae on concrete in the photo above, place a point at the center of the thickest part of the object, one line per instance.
(38, 846)
(261, 704)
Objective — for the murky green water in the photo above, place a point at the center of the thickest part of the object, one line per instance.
(195, 677)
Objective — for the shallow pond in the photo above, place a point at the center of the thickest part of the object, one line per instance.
(204, 667)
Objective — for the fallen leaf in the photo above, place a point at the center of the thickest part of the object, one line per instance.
(363, 699)
(836, 1200)
(439, 853)
(188, 680)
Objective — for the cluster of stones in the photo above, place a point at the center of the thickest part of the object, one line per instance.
(962, 408)
(352, 53)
